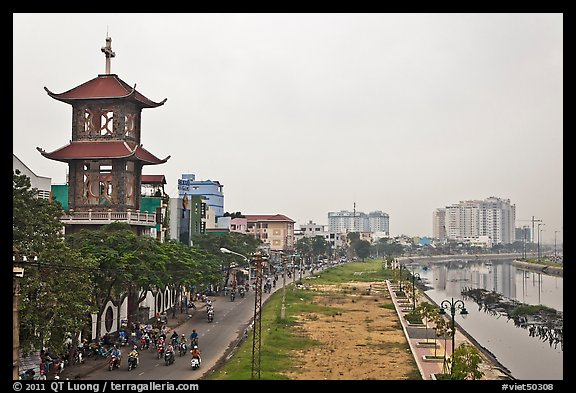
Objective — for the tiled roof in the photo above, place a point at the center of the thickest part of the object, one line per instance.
(267, 217)
(153, 179)
(92, 150)
(105, 86)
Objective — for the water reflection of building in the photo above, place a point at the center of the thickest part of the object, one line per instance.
(453, 277)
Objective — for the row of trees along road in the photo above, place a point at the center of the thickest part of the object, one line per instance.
(313, 247)
(75, 276)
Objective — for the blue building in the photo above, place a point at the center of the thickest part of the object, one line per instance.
(211, 190)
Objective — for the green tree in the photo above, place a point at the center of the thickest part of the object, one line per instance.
(319, 246)
(187, 266)
(465, 363)
(49, 310)
(362, 249)
(428, 312)
(242, 244)
(128, 266)
(442, 326)
(304, 248)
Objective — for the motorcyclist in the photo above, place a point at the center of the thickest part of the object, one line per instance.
(174, 338)
(182, 345)
(134, 354)
(170, 351)
(194, 337)
(118, 353)
(196, 353)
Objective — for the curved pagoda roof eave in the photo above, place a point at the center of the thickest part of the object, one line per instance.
(106, 83)
(88, 150)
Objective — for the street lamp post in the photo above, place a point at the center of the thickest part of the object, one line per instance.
(524, 243)
(539, 240)
(453, 305)
(227, 251)
(555, 253)
(401, 277)
(415, 276)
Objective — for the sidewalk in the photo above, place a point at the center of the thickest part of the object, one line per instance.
(416, 336)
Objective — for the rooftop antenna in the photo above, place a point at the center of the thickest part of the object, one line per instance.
(108, 51)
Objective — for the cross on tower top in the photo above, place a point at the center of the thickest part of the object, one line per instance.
(108, 52)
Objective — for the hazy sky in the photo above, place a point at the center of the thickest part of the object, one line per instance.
(302, 114)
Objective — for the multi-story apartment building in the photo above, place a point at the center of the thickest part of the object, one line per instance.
(276, 231)
(211, 190)
(312, 229)
(492, 219)
(346, 221)
(439, 224)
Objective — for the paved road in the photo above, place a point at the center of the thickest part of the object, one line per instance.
(216, 341)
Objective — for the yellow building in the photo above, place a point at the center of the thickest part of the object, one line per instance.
(276, 231)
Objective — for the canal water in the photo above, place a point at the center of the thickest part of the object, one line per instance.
(526, 357)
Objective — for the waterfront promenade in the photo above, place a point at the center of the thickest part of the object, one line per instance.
(416, 335)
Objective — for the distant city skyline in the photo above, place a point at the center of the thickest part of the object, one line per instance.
(301, 114)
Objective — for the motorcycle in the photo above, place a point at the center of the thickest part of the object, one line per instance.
(210, 316)
(232, 296)
(241, 292)
(195, 363)
(182, 349)
(28, 374)
(160, 351)
(113, 363)
(132, 362)
(169, 358)
(144, 344)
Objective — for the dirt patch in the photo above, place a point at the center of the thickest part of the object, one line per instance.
(364, 341)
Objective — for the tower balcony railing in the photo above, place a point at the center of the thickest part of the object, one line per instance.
(90, 217)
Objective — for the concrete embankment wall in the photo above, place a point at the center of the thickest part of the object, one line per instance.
(446, 258)
(549, 270)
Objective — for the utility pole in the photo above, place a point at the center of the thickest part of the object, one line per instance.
(257, 337)
(17, 274)
(283, 308)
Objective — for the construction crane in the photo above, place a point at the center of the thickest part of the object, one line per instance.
(533, 220)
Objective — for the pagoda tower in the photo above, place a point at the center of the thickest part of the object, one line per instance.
(105, 156)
